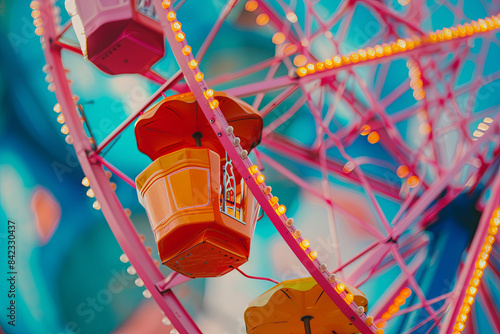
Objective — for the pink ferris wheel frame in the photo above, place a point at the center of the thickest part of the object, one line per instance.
(159, 286)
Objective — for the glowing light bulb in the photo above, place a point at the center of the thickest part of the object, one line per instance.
(413, 181)
(393, 309)
(171, 16)
(483, 26)
(492, 230)
(362, 54)
(124, 258)
(365, 130)
(208, 93)
(354, 57)
(253, 169)
(146, 294)
(198, 76)
(311, 68)
(166, 321)
(313, 255)
(300, 60)
(399, 301)
(192, 64)
(373, 137)
(214, 104)
(304, 244)
(340, 288)
(424, 129)
(262, 19)
(251, 6)
(186, 50)
(337, 61)
(131, 270)
(96, 205)
(469, 299)
(60, 119)
(139, 282)
(289, 49)
(302, 71)
(179, 37)
(260, 179)
(85, 181)
(176, 26)
(279, 38)
(469, 29)
(405, 293)
(281, 210)
(64, 129)
(386, 316)
(475, 282)
(403, 171)
(447, 34)
(369, 321)
(320, 66)
(328, 64)
(475, 26)
(348, 167)
(292, 17)
(370, 53)
(349, 298)
(461, 31)
(402, 45)
(90, 193)
(165, 4)
(34, 4)
(346, 60)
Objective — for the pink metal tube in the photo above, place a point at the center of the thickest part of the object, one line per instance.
(118, 221)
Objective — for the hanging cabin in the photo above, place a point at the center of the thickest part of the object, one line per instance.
(201, 211)
(118, 36)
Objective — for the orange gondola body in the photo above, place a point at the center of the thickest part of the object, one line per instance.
(201, 211)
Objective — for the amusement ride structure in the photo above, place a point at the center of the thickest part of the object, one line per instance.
(205, 188)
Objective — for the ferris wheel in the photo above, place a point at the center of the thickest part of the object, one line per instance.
(403, 116)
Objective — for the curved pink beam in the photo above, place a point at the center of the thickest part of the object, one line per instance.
(242, 163)
(120, 224)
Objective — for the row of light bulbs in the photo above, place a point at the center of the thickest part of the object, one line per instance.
(398, 301)
(481, 264)
(258, 177)
(403, 45)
